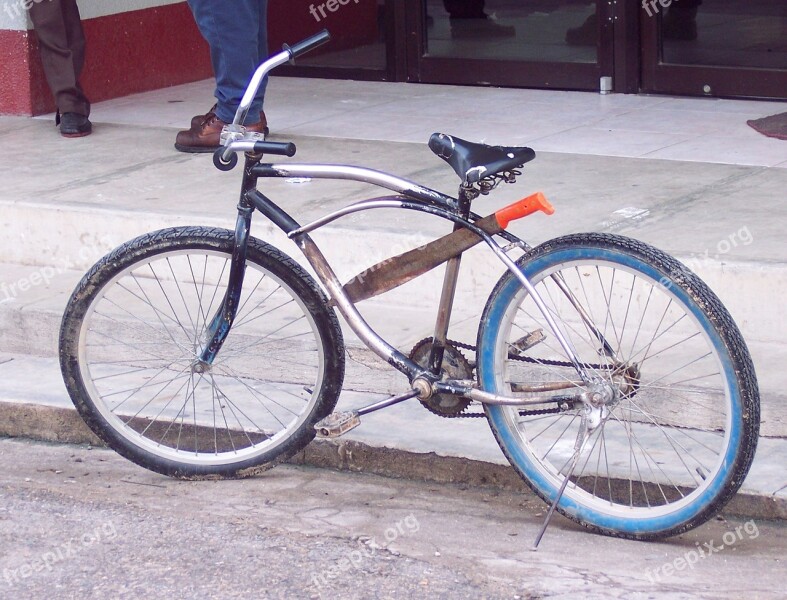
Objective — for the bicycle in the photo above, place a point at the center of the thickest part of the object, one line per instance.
(615, 382)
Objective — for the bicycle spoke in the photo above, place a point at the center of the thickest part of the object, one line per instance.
(663, 426)
(142, 338)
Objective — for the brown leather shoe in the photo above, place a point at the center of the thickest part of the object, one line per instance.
(196, 120)
(205, 137)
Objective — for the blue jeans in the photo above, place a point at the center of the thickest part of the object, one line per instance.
(237, 33)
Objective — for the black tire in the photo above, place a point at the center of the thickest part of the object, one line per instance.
(139, 316)
(678, 441)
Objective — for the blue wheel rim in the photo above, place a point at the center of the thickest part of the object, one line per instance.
(524, 462)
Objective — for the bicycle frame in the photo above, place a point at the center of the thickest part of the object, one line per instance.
(670, 396)
(410, 196)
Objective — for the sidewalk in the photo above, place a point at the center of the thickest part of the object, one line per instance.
(687, 175)
(107, 529)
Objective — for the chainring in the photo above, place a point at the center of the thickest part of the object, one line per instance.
(455, 366)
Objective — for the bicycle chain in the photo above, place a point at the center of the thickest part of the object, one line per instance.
(545, 361)
(522, 413)
(540, 361)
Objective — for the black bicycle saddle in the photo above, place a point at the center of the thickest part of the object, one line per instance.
(472, 162)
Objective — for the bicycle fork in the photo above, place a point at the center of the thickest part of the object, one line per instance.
(221, 323)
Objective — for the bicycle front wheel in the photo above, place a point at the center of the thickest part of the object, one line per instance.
(136, 325)
(677, 440)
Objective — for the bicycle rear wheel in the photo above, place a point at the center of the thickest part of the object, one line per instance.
(136, 324)
(678, 439)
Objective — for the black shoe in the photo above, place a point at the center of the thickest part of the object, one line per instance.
(74, 125)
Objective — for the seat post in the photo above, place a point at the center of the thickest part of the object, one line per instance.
(448, 292)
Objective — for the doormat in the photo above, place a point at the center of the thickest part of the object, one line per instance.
(774, 126)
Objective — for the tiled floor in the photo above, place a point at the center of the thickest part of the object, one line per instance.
(686, 129)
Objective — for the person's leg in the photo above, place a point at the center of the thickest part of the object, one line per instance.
(232, 29)
(262, 45)
(62, 45)
(76, 41)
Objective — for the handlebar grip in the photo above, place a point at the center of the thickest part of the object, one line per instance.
(278, 148)
(308, 44)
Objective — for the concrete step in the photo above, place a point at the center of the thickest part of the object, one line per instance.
(36, 380)
(30, 320)
(84, 207)
(30, 324)
(55, 228)
(404, 440)
(78, 236)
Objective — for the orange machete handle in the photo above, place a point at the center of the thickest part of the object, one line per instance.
(522, 208)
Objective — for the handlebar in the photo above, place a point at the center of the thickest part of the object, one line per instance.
(223, 158)
(279, 148)
(287, 54)
(308, 44)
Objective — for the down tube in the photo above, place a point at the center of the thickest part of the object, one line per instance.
(345, 304)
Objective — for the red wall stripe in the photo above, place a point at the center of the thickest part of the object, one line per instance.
(126, 53)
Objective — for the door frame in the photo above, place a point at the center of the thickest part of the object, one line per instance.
(547, 75)
(659, 77)
(629, 51)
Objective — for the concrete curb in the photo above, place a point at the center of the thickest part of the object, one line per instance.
(63, 425)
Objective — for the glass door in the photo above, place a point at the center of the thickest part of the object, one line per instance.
(363, 37)
(561, 44)
(715, 47)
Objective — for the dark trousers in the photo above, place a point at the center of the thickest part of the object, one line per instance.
(465, 9)
(237, 33)
(62, 43)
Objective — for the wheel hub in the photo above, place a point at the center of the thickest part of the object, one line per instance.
(200, 366)
(625, 382)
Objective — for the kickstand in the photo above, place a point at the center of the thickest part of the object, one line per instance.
(578, 447)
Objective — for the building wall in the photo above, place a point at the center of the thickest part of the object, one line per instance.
(132, 46)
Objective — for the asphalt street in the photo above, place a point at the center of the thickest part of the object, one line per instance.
(80, 522)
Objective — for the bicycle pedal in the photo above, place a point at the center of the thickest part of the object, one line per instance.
(526, 342)
(337, 424)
